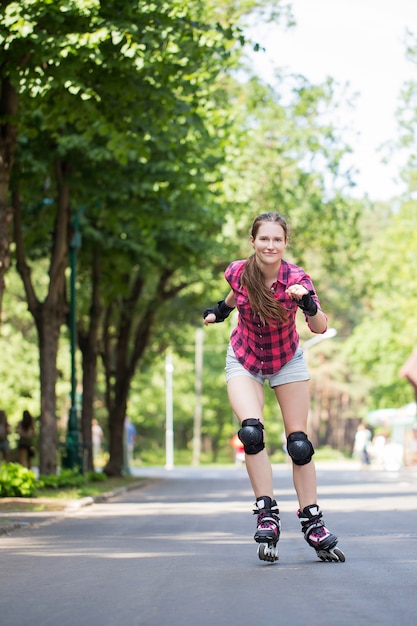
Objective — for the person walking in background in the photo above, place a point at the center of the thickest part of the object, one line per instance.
(362, 442)
(130, 438)
(26, 432)
(264, 346)
(97, 438)
(4, 437)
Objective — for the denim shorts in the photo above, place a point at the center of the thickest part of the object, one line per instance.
(293, 371)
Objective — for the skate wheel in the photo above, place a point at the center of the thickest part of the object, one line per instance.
(267, 553)
(339, 555)
(331, 554)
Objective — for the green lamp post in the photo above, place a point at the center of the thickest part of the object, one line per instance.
(73, 449)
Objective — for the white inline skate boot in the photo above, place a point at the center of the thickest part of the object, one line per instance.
(317, 535)
(268, 528)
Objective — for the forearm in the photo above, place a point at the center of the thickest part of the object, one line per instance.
(318, 322)
(230, 300)
(220, 311)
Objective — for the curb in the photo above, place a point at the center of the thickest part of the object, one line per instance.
(72, 507)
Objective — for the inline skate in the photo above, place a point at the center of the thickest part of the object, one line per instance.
(317, 535)
(268, 528)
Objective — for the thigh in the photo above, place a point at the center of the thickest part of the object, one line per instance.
(294, 400)
(246, 397)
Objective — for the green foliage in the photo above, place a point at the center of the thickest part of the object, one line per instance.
(69, 478)
(16, 481)
(169, 157)
(385, 333)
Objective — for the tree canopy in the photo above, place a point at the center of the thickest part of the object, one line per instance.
(134, 134)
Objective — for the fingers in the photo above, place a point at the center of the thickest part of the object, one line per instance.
(296, 291)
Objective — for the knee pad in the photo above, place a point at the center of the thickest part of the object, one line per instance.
(300, 448)
(251, 435)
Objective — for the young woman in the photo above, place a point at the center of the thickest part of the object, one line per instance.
(267, 291)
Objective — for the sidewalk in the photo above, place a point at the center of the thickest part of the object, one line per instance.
(14, 513)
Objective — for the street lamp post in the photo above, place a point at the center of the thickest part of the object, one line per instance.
(330, 332)
(169, 414)
(73, 454)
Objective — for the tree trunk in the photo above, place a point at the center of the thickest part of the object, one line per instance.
(8, 140)
(120, 357)
(115, 464)
(88, 343)
(48, 334)
(49, 316)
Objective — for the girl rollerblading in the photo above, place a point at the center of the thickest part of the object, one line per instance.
(264, 347)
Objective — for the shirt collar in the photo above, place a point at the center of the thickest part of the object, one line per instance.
(283, 273)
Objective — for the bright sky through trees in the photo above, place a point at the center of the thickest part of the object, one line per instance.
(357, 41)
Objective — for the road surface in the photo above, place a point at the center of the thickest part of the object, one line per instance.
(179, 551)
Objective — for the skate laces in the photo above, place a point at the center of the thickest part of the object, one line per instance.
(267, 519)
(311, 523)
(267, 511)
(319, 530)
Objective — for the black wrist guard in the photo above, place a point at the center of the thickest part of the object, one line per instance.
(307, 304)
(221, 311)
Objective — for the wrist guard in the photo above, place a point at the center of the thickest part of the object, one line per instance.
(221, 311)
(307, 304)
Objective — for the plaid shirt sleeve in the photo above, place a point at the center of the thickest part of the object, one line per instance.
(266, 348)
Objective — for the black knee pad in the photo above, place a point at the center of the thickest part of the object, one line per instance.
(300, 448)
(251, 435)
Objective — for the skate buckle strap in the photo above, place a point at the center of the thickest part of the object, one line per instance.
(309, 528)
(265, 504)
(266, 517)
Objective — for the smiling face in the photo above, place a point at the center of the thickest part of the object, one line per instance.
(269, 243)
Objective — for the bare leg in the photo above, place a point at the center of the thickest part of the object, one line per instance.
(294, 400)
(246, 398)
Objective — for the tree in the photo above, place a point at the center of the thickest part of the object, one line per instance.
(88, 89)
(385, 335)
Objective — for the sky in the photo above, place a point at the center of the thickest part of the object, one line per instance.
(361, 42)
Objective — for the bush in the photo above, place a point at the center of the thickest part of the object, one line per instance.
(16, 481)
(68, 478)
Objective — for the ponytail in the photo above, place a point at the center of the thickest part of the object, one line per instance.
(261, 300)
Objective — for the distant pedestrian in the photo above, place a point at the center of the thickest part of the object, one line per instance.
(26, 432)
(238, 449)
(4, 436)
(130, 439)
(362, 442)
(97, 437)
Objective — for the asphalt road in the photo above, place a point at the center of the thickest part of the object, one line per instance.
(180, 552)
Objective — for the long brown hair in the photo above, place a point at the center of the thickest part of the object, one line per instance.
(261, 300)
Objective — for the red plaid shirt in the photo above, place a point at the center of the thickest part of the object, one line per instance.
(265, 349)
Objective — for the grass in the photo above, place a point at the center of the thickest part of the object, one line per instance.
(89, 488)
(57, 499)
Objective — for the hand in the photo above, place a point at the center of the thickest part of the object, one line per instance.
(210, 319)
(220, 312)
(303, 298)
(296, 292)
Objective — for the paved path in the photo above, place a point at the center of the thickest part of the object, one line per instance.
(179, 551)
